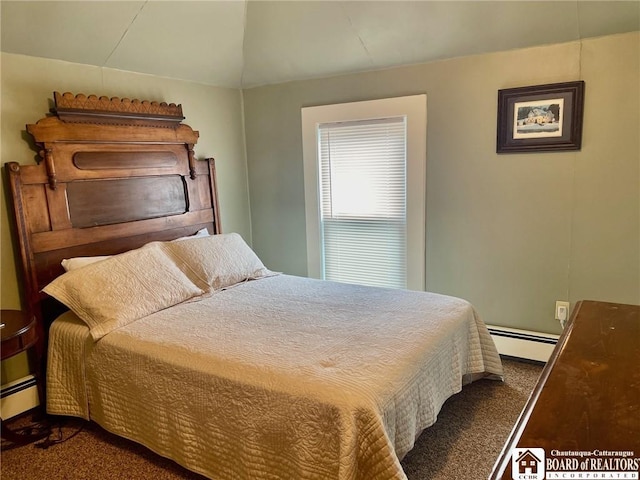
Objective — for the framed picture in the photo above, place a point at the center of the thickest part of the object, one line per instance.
(540, 118)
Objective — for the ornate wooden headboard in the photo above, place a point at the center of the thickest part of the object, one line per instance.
(113, 175)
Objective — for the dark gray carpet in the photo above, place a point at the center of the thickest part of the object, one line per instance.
(472, 427)
(463, 444)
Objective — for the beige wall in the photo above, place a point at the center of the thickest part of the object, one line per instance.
(28, 84)
(511, 233)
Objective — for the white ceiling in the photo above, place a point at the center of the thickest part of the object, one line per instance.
(249, 43)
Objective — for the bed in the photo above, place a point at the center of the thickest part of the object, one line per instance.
(178, 337)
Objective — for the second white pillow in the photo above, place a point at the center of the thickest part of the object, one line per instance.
(218, 261)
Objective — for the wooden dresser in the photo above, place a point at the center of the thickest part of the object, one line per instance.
(587, 400)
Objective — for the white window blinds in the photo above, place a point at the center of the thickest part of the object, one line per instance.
(363, 201)
(360, 213)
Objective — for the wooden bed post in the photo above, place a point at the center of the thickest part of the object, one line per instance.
(213, 188)
(27, 270)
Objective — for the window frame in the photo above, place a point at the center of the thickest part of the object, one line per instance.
(414, 108)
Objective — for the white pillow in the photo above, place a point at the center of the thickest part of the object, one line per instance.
(119, 290)
(217, 261)
(79, 262)
(203, 232)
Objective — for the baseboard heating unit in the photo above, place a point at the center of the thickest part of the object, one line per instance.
(523, 343)
(18, 397)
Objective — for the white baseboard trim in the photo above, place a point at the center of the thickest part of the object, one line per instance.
(523, 343)
(18, 397)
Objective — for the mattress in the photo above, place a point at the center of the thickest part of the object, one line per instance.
(282, 377)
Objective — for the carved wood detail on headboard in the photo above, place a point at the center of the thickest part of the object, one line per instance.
(105, 119)
(116, 174)
(94, 109)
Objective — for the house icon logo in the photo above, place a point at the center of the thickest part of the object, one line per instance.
(527, 464)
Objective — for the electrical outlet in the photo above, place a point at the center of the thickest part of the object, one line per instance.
(562, 311)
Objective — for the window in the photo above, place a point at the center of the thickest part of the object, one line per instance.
(365, 191)
(363, 201)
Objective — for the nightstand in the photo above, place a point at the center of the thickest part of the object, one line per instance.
(19, 334)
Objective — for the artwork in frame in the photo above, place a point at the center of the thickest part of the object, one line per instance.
(540, 118)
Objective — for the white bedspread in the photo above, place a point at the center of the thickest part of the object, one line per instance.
(283, 377)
